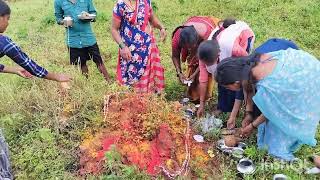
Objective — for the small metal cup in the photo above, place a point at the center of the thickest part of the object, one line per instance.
(280, 177)
(246, 166)
(242, 145)
(185, 101)
(237, 152)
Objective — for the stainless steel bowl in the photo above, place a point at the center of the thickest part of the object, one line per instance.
(280, 177)
(242, 145)
(246, 166)
(237, 152)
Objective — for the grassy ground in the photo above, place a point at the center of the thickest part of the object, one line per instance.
(45, 147)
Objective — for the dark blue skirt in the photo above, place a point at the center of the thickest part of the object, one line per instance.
(227, 97)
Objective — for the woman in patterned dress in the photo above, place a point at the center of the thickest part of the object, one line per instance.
(287, 95)
(139, 59)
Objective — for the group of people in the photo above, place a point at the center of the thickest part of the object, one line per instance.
(277, 83)
(133, 22)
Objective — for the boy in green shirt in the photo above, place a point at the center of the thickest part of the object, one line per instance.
(80, 38)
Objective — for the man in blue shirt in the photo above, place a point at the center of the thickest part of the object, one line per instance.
(80, 38)
(27, 69)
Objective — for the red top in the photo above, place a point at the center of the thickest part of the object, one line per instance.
(210, 23)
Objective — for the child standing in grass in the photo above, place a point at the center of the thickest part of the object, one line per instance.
(80, 38)
(27, 69)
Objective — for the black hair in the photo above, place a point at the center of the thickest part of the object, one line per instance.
(208, 51)
(188, 36)
(4, 8)
(176, 29)
(225, 24)
(231, 70)
(234, 69)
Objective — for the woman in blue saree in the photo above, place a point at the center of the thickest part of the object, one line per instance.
(287, 95)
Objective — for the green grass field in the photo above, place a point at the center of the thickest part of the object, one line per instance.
(44, 147)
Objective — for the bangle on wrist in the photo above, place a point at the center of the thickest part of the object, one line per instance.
(122, 45)
(253, 126)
